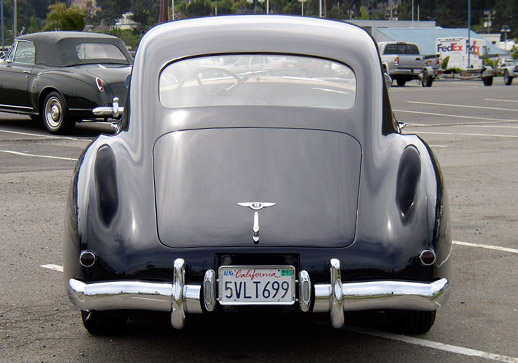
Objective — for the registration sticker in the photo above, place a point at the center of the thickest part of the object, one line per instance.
(256, 285)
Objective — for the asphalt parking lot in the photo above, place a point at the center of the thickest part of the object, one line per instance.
(472, 129)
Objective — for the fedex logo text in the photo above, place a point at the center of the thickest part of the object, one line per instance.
(453, 47)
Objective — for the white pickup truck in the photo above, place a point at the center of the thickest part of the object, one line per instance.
(509, 69)
(403, 63)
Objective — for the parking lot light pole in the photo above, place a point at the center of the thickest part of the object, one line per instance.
(469, 33)
(15, 22)
(2, 15)
(505, 29)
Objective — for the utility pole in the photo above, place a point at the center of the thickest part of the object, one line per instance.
(412, 13)
(488, 15)
(469, 34)
(162, 15)
(15, 27)
(2, 15)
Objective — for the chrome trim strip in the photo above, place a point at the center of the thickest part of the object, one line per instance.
(11, 106)
(80, 109)
(209, 290)
(304, 291)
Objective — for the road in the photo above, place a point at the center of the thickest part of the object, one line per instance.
(472, 129)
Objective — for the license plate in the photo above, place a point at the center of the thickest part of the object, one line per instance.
(256, 285)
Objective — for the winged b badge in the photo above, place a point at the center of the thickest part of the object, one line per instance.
(256, 207)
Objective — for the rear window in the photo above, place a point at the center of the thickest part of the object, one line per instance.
(257, 79)
(96, 51)
(401, 49)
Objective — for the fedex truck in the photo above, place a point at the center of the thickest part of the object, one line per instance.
(464, 55)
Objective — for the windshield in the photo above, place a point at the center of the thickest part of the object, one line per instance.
(257, 79)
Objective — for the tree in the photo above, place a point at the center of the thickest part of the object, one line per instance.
(62, 18)
(35, 25)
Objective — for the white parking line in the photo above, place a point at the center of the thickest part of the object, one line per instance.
(53, 267)
(466, 134)
(497, 100)
(37, 156)
(489, 247)
(462, 106)
(436, 345)
(46, 136)
(442, 115)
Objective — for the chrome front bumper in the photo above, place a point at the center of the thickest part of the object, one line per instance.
(334, 298)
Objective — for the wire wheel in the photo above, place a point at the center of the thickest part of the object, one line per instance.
(54, 114)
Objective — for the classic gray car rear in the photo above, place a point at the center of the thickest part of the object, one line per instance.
(289, 191)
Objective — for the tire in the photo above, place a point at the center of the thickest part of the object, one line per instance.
(508, 80)
(488, 81)
(427, 80)
(400, 82)
(55, 114)
(412, 322)
(103, 323)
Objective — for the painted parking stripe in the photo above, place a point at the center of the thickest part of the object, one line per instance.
(53, 267)
(462, 106)
(37, 156)
(488, 247)
(499, 100)
(467, 134)
(443, 115)
(436, 345)
(484, 124)
(46, 136)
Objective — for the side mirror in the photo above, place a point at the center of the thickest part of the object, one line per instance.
(388, 80)
(114, 112)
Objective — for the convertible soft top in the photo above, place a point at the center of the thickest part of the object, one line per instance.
(57, 48)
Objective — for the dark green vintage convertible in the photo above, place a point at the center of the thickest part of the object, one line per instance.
(60, 77)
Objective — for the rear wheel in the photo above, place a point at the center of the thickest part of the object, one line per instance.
(488, 81)
(412, 322)
(507, 78)
(400, 82)
(427, 80)
(103, 323)
(55, 114)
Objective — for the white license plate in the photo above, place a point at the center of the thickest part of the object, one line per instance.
(256, 285)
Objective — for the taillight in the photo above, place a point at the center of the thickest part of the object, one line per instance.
(99, 83)
(396, 61)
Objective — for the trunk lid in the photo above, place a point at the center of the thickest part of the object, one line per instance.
(312, 177)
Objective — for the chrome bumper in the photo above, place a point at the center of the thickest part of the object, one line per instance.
(334, 298)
